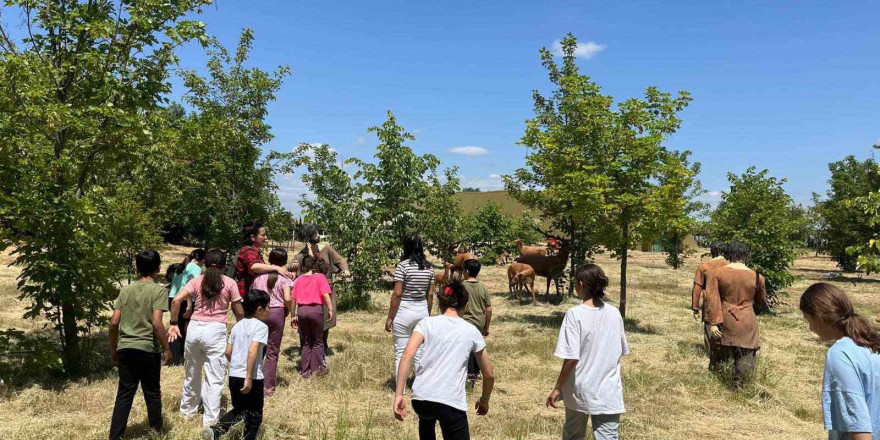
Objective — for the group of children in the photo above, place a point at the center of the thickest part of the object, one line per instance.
(201, 296)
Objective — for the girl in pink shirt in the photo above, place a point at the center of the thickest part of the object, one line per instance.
(279, 303)
(205, 346)
(310, 291)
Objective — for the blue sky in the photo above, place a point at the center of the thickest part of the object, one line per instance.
(784, 85)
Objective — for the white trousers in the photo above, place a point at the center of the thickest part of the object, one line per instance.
(408, 315)
(205, 349)
(605, 426)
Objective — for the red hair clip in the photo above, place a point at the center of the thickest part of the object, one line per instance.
(447, 290)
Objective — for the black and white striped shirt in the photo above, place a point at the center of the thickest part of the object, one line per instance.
(415, 281)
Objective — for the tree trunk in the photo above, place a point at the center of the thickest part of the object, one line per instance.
(71, 352)
(624, 250)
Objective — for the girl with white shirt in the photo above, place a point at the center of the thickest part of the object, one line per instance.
(411, 299)
(438, 393)
(591, 344)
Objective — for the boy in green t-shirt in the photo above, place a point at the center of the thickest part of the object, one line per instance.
(137, 337)
(479, 309)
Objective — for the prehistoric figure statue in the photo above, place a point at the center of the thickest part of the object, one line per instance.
(733, 291)
(700, 284)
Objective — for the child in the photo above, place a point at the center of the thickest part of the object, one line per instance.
(478, 311)
(136, 337)
(310, 291)
(244, 351)
(591, 343)
(279, 303)
(189, 268)
(438, 393)
(213, 294)
(851, 387)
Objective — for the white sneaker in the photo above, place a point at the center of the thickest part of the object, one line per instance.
(207, 434)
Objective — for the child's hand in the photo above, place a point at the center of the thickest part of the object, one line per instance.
(485, 332)
(482, 407)
(247, 386)
(399, 407)
(330, 313)
(114, 357)
(294, 321)
(173, 333)
(169, 358)
(554, 397)
(388, 324)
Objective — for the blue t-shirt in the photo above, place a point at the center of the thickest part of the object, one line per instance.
(851, 390)
(191, 271)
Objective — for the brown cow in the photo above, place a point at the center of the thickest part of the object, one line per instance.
(521, 276)
(529, 250)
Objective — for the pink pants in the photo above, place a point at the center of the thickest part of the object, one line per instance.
(276, 332)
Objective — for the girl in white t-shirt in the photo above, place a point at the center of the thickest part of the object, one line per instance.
(591, 343)
(438, 393)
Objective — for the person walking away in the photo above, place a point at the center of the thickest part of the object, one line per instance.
(733, 292)
(279, 289)
(244, 352)
(189, 268)
(410, 300)
(478, 311)
(249, 261)
(700, 277)
(137, 337)
(591, 344)
(310, 292)
(438, 393)
(851, 383)
(213, 295)
(334, 263)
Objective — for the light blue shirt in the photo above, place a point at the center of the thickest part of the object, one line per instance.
(191, 271)
(851, 390)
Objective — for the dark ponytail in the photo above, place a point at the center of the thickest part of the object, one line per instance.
(413, 249)
(829, 304)
(454, 295)
(212, 283)
(196, 254)
(278, 257)
(593, 278)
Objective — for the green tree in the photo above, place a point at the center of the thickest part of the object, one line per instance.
(847, 224)
(678, 219)
(757, 212)
(80, 94)
(227, 182)
(489, 232)
(602, 173)
(441, 221)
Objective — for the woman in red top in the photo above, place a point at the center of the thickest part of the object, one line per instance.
(310, 291)
(249, 262)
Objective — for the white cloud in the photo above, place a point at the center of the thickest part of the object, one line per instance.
(360, 140)
(469, 151)
(491, 183)
(583, 51)
(713, 194)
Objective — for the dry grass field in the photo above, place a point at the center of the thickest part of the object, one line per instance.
(669, 393)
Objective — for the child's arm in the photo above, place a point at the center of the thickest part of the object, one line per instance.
(228, 352)
(114, 335)
(159, 331)
(430, 295)
(403, 370)
(567, 368)
(288, 299)
(251, 366)
(174, 330)
(488, 320)
(488, 381)
(238, 311)
(329, 303)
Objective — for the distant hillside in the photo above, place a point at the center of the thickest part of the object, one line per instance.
(473, 201)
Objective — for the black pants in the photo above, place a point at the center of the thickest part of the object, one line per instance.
(743, 361)
(137, 367)
(178, 345)
(453, 422)
(473, 366)
(247, 407)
